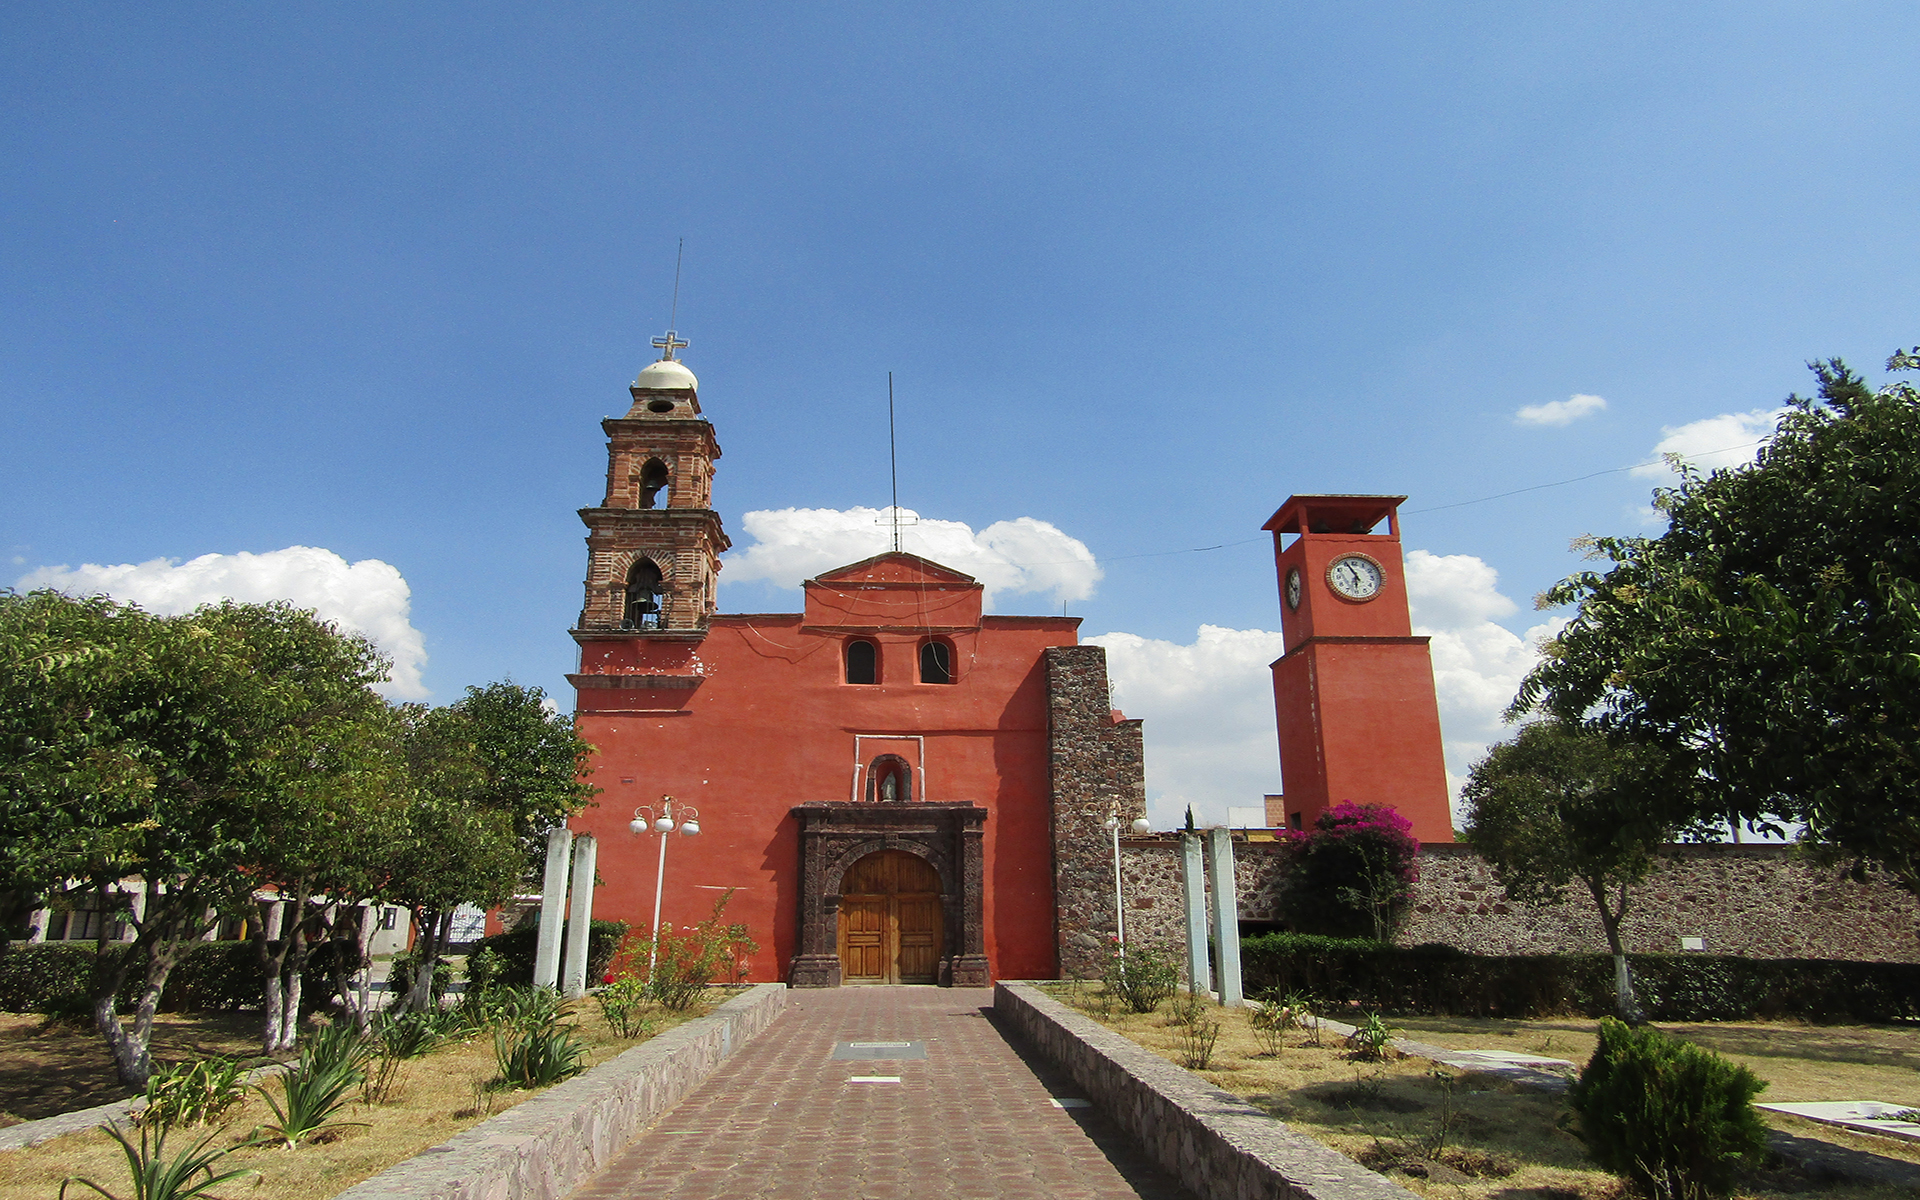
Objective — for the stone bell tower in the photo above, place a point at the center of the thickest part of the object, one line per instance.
(654, 542)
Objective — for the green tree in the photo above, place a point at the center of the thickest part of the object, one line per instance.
(1771, 637)
(451, 849)
(1355, 872)
(138, 747)
(1559, 805)
(533, 762)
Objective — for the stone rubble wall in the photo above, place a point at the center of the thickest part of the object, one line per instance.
(1095, 762)
(1219, 1146)
(1755, 901)
(546, 1147)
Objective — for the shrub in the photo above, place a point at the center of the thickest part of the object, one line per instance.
(157, 1177)
(517, 947)
(1671, 987)
(1355, 871)
(1671, 1118)
(685, 961)
(1141, 977)
(56, 978)
(622, 1003)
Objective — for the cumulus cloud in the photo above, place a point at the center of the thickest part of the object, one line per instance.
(1021, 556)
(1208, 705)
(1713, 442)
(368, 597)
(1560, 412)
(1208, 708)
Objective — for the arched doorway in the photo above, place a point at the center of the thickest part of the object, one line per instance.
(890, 925)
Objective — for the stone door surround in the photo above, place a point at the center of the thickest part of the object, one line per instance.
(834, 836)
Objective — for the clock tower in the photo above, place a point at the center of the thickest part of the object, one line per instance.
(1353, 695)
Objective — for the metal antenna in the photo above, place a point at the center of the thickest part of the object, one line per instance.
(672, 340)
(893, 463)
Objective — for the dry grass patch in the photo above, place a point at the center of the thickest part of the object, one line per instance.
(1452, 1134)
(433, 1098)
(48, 1066)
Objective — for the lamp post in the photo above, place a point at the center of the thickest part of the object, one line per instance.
(689, 824)
(1140, 825)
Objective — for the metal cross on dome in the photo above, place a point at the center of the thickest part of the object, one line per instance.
(668, 343)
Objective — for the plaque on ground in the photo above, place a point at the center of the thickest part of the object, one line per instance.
(879, 1050)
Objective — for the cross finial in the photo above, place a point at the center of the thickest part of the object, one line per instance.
(668, 343)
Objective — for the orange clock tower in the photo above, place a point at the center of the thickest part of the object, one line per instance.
(1353, 695)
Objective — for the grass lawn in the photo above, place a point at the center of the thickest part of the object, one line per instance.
(1437, 1131)
(50, 1067)
(435, 1097)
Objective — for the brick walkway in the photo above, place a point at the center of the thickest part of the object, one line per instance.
(782, 1120)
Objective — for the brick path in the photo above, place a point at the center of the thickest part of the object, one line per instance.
(780, 1120)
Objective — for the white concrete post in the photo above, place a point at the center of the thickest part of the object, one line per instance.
(1226, 915)
(276, 911)
(553, 906)
(580, 921)
(1193, 888)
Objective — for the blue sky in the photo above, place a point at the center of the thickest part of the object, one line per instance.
(363, 278)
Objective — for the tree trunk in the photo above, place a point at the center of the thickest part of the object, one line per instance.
(426, 956)
(132, 1060)
(1624, 1003)
(368, 923)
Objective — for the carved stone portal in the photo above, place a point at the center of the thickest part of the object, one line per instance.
(835, 836)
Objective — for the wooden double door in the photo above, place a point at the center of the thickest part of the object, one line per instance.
(890, 923)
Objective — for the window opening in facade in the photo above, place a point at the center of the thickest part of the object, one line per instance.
(936, 663)
(863, 662)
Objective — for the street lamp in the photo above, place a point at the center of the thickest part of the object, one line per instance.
(664, 824)
(1140, 826)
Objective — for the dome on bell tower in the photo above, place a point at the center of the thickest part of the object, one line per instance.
(667, 373)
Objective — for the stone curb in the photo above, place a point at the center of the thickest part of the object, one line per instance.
(546, 1147)
(1217, 1145)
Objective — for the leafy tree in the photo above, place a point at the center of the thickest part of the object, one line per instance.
(450, 849)
(1559, 805)
(1771, 637)
(1356, 871)
(533, 762)
(134, 746)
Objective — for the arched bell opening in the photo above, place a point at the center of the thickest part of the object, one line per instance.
(646, 597)
(654, 481)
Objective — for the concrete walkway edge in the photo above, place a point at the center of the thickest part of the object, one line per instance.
(547, 1146)
(1217, 1145)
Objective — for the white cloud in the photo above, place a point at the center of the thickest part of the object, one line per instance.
(1477, 664)
(368, 597)
(1713, 442)
(1021, 556)
(1208, 708)
(1560, 412)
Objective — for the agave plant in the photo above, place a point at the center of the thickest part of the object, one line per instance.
(195, 1092)
(156, 1177)
(315, 1088)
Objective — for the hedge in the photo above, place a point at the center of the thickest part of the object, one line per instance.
(1671, 987)
(517, 946)
(56, 977)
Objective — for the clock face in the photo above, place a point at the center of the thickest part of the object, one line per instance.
(1293, 588)
(1355, 576)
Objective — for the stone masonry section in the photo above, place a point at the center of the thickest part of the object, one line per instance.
(1097, 769)
(544, 1148)
(1753, 901)
(975, 1117)
(1215, 1143)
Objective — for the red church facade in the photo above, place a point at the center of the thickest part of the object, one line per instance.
(896, 786)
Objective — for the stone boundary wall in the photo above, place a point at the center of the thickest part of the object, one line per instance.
(1095, 765)
(1217, 1145)
(548, 1146)
(1754, 901)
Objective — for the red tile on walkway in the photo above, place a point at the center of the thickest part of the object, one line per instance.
(973, 1119)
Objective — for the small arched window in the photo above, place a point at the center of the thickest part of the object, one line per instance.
(889, 780)
(646, 605)
(863, 662)
(936, 662)
(653, 480)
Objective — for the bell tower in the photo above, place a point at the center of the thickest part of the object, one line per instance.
(654, 542)
(1353, 695)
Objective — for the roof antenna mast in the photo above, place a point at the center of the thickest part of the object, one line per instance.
(672, 340)
(893, 464)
